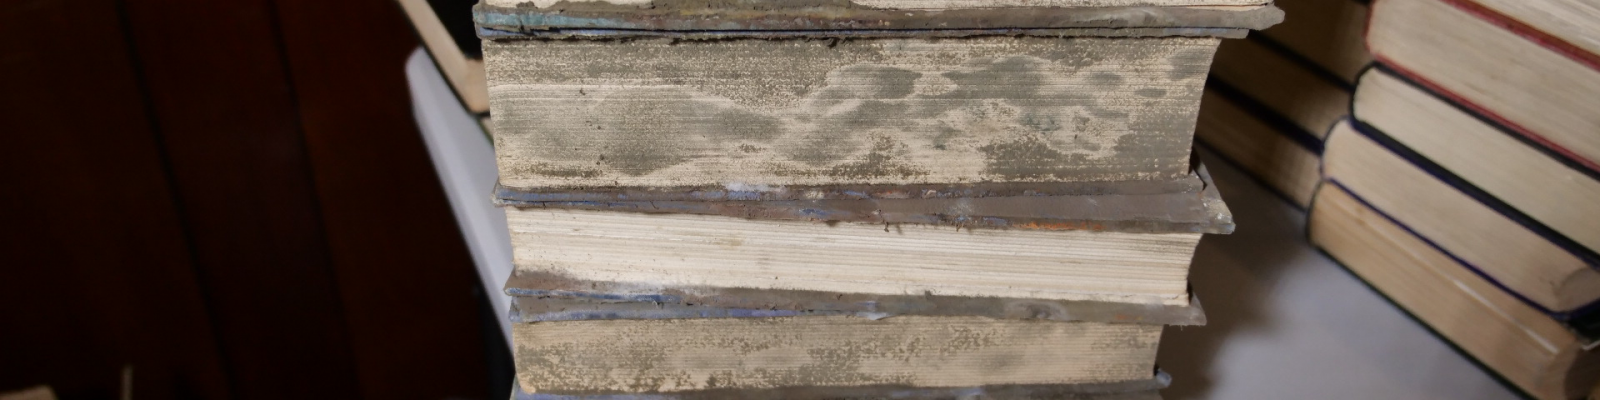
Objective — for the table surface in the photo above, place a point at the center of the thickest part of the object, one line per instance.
(1285, 322)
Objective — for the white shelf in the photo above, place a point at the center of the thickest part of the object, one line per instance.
(465, 160)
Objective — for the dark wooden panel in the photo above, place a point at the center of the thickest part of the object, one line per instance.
(97, 267)
(226, 109)
(404, 273)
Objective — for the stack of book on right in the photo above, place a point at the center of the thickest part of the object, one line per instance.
(1465, 185)
(1271, 97)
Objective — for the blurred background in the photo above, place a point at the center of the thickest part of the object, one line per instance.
(227, 200)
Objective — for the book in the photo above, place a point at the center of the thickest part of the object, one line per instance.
(1274, 150)
(1299, 92)
(1567, 25)
(1327, 33)
(1541, 84)
(1550, 189)
(1086, 91)
(672, 355)
(809, 354)
(1525, 257)
(1273, 96)
(1134, 391)
(1126, 242)
(1516, 341)
(1146, 389)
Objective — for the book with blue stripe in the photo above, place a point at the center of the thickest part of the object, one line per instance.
(1512, 339)
(1446, 240)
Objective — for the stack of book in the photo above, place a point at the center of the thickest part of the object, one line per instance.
(1272, 98)
(1463, 184)
(867, 199)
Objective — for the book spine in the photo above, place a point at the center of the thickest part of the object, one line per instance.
(1566, 159)
(1585, 320)
(1529, 32)
(1516, 27)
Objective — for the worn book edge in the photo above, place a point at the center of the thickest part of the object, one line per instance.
(1583, 320)
(1128, 390)
(1189, 205)
(601, 19)
(573, 299)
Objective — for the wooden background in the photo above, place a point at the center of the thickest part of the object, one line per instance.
(230, 197)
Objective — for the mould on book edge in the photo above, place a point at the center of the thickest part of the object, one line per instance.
(832, 115)
(746, 17)
(882, 160)
(1172, 213)
(1153, 93)
(1030, 158)
(1125, 390)
(1191, 63)
(506, 195)
(526, 286)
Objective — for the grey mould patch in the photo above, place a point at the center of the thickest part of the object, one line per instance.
(1010, 77)
(941, 141)
(822, 146)
(1153, 93)
(880, 161)
(1190, 63)
(837, 135)
(884, 82)
(1045, 124)
(639, 131)
(558, 171)
(1030, 157)
(736, 125)
(1107, 113)
(1105, 78)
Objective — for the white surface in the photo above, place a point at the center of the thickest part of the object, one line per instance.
(465, 160)
(1285, 322)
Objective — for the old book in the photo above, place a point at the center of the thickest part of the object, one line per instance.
(1145, 390)
(849, 93)
(1549, 188)
(1276, 151)
(1326, 32)
(1272, 97)
(795, 354)
(1129, 242)
(1536, 73)
(1566, 24)
(1516, 341)
(1298, 92)
(446, 30)
(1526, 257)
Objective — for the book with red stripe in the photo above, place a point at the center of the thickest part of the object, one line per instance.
(1530, 66)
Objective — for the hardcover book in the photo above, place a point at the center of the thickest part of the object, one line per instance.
(1528, 259)
(1516, 341)
(1125, 243)
(816, 94)
(1530, 66)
